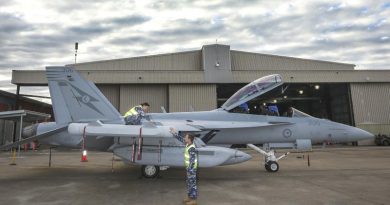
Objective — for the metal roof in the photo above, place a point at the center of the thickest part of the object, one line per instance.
(241, 60)
(199, 66)
(22, 98)
(28, 116)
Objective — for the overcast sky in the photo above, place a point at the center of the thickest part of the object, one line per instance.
(34, 34)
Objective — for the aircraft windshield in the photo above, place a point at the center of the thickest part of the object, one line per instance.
(297, 113)
(253, 90)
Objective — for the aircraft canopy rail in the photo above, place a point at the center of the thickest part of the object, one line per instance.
(297, 113)
(253, 90)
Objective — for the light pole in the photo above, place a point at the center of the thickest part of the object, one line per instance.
(76, 47)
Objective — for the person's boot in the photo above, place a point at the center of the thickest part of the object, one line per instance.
(191, 202)
(187, 199)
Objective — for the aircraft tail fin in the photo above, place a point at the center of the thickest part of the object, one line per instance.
(75, 99)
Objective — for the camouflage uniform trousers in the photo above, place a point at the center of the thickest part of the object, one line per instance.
(192, 188)
(133, 120)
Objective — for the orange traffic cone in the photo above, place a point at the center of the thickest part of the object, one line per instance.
(84, 156)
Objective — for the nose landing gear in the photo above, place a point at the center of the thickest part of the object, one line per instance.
(271, 164)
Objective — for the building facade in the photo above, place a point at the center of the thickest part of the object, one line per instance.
(8, 102)
(203, 79)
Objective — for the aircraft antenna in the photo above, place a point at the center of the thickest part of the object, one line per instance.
(217, 64)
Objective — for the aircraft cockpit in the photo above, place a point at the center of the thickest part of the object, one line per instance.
(238, 101)
(252, 90)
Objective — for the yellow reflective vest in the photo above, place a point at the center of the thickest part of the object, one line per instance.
(187, 157)
(132, 111)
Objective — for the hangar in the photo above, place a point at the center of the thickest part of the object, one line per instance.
(203, 80)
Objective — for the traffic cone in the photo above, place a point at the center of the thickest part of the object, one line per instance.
(84, 156)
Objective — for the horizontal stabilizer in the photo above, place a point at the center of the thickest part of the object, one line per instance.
(35, 137)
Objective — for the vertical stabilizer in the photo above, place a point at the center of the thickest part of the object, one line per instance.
(75, 99)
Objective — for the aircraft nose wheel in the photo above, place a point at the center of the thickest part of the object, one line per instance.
(271, 166)
(150, 171)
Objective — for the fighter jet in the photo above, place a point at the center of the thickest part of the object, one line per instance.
(85, 118)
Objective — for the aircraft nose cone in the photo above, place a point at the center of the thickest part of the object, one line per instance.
(359, 134)
(238, 157)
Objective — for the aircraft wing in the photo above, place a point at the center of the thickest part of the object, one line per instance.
(35, 137)
(209, 125)
(148, 130)
(159, 129)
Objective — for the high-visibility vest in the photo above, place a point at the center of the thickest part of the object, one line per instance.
(187, 157)
(132, 111)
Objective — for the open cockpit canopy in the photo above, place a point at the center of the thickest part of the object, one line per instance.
(253, 90)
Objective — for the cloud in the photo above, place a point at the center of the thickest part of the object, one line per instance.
(99, 27)
(169, 4)
(192, 29)
(12, 24)
(40, 33)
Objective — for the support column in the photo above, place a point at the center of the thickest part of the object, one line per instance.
(16, 107)
(20, 132)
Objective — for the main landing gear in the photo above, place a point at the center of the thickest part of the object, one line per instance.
(271, 164)
(150, 171)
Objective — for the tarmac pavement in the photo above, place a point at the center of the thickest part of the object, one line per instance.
(346, 175)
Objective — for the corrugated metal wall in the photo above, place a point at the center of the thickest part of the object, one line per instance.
(316, 76)
(371, 102)
(190, 60)
(216, 64)
(151, 77)
(112, 93)
(6, 130)
(200, 96)
(239, 76)
(155, 95)
(256, 61)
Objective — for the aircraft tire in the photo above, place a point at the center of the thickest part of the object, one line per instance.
(272, 166)
(266, 167)
(150, 171)
(385, 143)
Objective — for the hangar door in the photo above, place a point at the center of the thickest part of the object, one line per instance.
(371, 102)
(131, 95)
(112, 93)
(200, 97)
